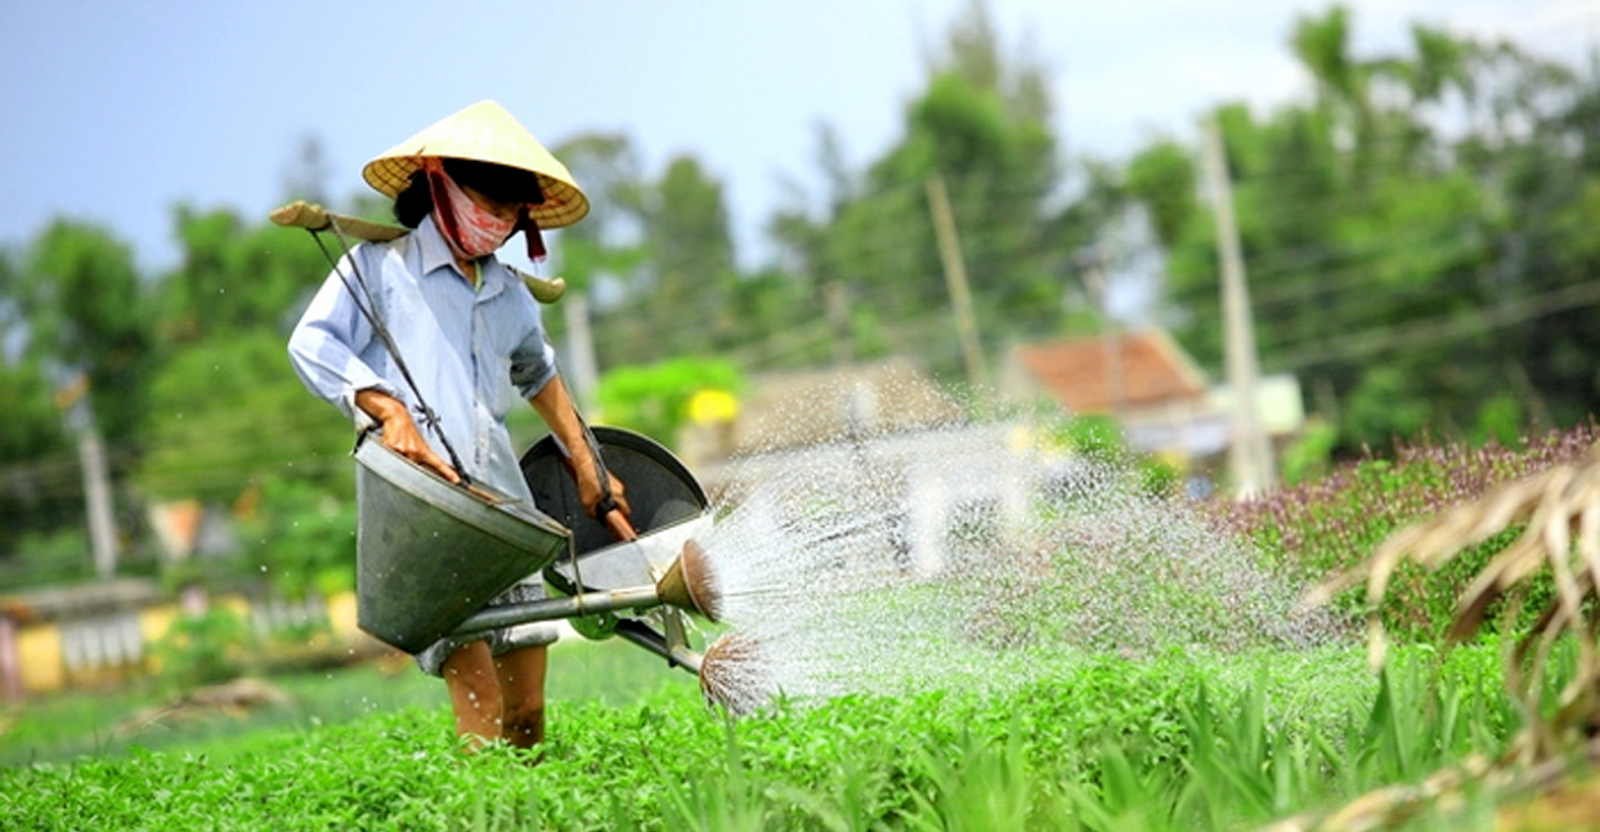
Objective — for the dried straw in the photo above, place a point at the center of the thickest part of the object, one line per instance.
(1559, 509)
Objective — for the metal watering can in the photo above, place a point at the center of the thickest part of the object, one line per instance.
(429, 554)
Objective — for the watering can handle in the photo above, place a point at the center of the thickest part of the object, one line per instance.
(606, 511)
(615, 520)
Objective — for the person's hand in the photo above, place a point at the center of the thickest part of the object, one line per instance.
(590, 493)
(400, 433)
(616, 518)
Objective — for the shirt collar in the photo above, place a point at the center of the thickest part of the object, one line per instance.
(436, 254)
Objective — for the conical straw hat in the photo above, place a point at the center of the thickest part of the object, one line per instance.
(484, 132)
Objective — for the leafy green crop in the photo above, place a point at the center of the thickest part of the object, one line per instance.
(1176, 739)
(1313, 529)
(1179, 742)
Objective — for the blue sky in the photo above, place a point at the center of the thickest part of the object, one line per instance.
(115, 112)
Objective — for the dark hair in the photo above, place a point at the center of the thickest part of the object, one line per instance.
(498, 182)
(414, 203)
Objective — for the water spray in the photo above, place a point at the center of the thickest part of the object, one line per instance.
(734, 673)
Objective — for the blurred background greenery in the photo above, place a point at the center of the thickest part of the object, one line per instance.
(1418, 232)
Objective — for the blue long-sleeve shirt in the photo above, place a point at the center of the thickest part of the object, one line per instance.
(470, 352)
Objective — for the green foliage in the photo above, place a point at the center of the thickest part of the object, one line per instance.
(1097, 437)
(981, 125)
(1158, 478)
(1162, 178)
(1408, 270)
(1500, 420)
(33, 425)
(194, 417)
(302, 538)
(654, 400)
(203, 649)
(87, 313)
(37, 456)
(78, 723)
(677, 295)
(1418, 236)
(1382, 407)
(227, 413)
(1186, 742)
(237, 277)
(1315, 528)
(50, 558)
(596, 249)
(1311, 455)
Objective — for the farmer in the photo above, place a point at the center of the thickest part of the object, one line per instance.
(470, 334)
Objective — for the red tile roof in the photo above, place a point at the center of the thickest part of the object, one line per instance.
(1087, 376)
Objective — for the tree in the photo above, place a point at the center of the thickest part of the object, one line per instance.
(87, 314)
(228, 413)
(235, 277)
(1388, 252)
(32, 427)
(226, 410)
(606, 247)
(73, 331)
(982, 125)
(677, 272)
(40, 488)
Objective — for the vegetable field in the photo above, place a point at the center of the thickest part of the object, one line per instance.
(1179, 742)
(1178, 739)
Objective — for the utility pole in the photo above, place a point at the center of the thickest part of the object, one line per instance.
(74, 399)
(955, 275)
(1249, 454)
(837, 300)
(97, 491)
(580, 347)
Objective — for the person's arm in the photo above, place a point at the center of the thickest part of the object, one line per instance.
(555, 406)
(326, 344)
(325, 352)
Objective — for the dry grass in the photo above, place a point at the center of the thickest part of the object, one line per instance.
(1558, 510)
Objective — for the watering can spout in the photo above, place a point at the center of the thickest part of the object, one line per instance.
(690, 583)
(735, 672)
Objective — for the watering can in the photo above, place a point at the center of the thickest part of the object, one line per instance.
(430, 554)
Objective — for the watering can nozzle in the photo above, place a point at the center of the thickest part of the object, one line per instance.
(689, 583)
(734, 674)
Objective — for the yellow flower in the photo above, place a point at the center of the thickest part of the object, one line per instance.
(711, 406)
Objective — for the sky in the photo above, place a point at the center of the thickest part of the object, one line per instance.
(115, 113)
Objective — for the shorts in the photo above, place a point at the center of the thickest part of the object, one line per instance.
(502, 641)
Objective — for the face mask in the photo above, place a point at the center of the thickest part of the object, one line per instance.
(470, 229)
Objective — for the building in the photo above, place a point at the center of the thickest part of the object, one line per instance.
(1151, 387)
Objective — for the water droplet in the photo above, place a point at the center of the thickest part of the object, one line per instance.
(955, 559)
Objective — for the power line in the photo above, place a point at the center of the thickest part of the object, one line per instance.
(1440, 329)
